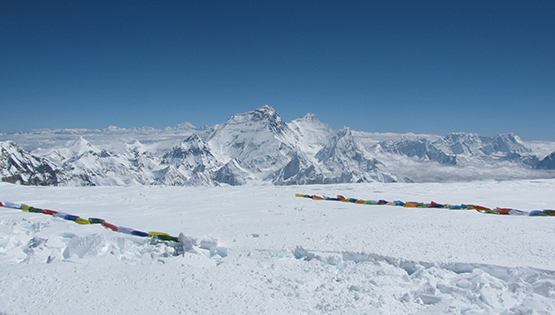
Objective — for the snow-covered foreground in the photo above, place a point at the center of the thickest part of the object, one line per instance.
(280, 254)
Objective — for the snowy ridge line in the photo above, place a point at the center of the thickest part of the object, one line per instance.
(413, 204)
(186, 243)
(411, 266)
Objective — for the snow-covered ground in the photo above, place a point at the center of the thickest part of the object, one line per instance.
(278, 254)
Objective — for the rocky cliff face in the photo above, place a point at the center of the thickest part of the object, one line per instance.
(548, 163)
(20, 167)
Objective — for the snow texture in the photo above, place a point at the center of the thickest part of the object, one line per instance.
(258, 249)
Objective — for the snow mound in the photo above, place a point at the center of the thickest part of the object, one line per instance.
(374, 281)
(38, 240)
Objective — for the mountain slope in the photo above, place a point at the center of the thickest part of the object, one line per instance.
(21, 167)
(259, 140)
(311, 132)
(462, 148)
(193, 159)
(260, 147)
(548, 163)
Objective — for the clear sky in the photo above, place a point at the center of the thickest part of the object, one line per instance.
(380, 66)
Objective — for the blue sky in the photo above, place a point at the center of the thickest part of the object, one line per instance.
(380, 66)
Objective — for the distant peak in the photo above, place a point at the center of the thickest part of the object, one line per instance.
(114, 128)
(267, 110)
(509, 136)
(134, 144)
(186, 126)
(344, 132)
(461, 135)
(264, 113)
(193, 138)
(81, 145)
(310, 117)
(81, 140)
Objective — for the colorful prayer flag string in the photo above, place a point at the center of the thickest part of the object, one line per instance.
(412, 204)
(70, 217)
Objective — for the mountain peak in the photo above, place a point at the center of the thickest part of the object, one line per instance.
(186, 126)
(309, 117)
(253, 138)
(81, 145)
(194, 142)
(264, 113)
(310, 120)
(263, 118)
(267, 108)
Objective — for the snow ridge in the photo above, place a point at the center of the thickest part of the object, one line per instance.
(260, 147)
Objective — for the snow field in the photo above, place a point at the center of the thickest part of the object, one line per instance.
(279, 254)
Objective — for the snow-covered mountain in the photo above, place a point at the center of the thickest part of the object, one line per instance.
(260, 147)
(191, 162)
(462, 148)
(313, 134)
(259, 140)
(20, 167)
(547, 163)
(419, 147)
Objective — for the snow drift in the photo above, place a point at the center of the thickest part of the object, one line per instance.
(283, 254)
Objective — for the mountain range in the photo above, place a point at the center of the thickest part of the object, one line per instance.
(259, 147)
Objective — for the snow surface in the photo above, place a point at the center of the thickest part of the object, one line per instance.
(278, 254)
